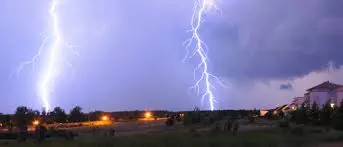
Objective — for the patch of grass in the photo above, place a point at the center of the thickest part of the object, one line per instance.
(264, 138)
(299, 131)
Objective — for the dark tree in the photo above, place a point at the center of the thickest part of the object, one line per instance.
(326, 115)
(23, 116)
(76, 115)
(44, 112)
(58, 115)
(94, 116)
(314, 113)
(5, 120)
(337, 118)
(301, 115)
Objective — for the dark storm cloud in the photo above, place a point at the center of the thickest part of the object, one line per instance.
(276, 39)
(287, 86)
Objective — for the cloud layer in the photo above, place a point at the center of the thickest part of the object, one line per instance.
(276, 39)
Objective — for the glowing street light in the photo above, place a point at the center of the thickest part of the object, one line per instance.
(332, 105)
(104, 118)
(35, 122)
(147, 115)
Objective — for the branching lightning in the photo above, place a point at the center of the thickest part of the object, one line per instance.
(201, 7)
(51, 69)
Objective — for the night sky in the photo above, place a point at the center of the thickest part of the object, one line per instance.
(131, 51)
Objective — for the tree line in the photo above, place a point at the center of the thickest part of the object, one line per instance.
(25, 116)
(328, 116)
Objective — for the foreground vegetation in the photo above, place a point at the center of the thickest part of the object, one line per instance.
(184, 138)
(307, 126)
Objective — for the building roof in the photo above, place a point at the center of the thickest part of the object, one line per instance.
(326, 85)
(296, 99)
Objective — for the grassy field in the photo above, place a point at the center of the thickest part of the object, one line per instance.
(272, 137)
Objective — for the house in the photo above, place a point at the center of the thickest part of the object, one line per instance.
(297, 102)
(282, 108)
(324, 93)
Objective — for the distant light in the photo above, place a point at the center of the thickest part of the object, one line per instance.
(104, 118)
(148, 115)
(294, 107)
(35, 123)
(332, 105)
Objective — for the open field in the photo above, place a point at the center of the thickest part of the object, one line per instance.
(156, 134)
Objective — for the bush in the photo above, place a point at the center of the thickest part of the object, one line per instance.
(170, 122)
(251, 119)
(187, 120)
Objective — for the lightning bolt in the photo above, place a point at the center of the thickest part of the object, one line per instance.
(51, 67)
(201, 7)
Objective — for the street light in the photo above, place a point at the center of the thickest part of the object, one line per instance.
(104, 118)
(332, 105)
(35, 122)
(147, 115)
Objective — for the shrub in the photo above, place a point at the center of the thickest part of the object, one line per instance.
(251, 119)
(170, 121)
(187, 120)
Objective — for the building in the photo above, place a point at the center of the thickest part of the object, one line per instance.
(297, 102)
(323, 93)
(326, 92)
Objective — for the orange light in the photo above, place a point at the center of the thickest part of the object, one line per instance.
(104, 118)
(148, 114)
(35, 123)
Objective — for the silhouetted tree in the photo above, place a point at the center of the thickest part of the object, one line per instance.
(314, 113)
(23, 116)
(58, 115)
(301, 115)
(5, 119)
(76, 114)
(326, 115)
(337, 118)
(44, 113)
(94, 116)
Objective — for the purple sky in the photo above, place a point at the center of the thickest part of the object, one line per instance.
(130, 52)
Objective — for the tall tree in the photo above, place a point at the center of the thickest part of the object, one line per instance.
(76, 114)
(326, 115)
(337, 118)
(23, 116)
(314, 113)
(301, 115)
(58, 115)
